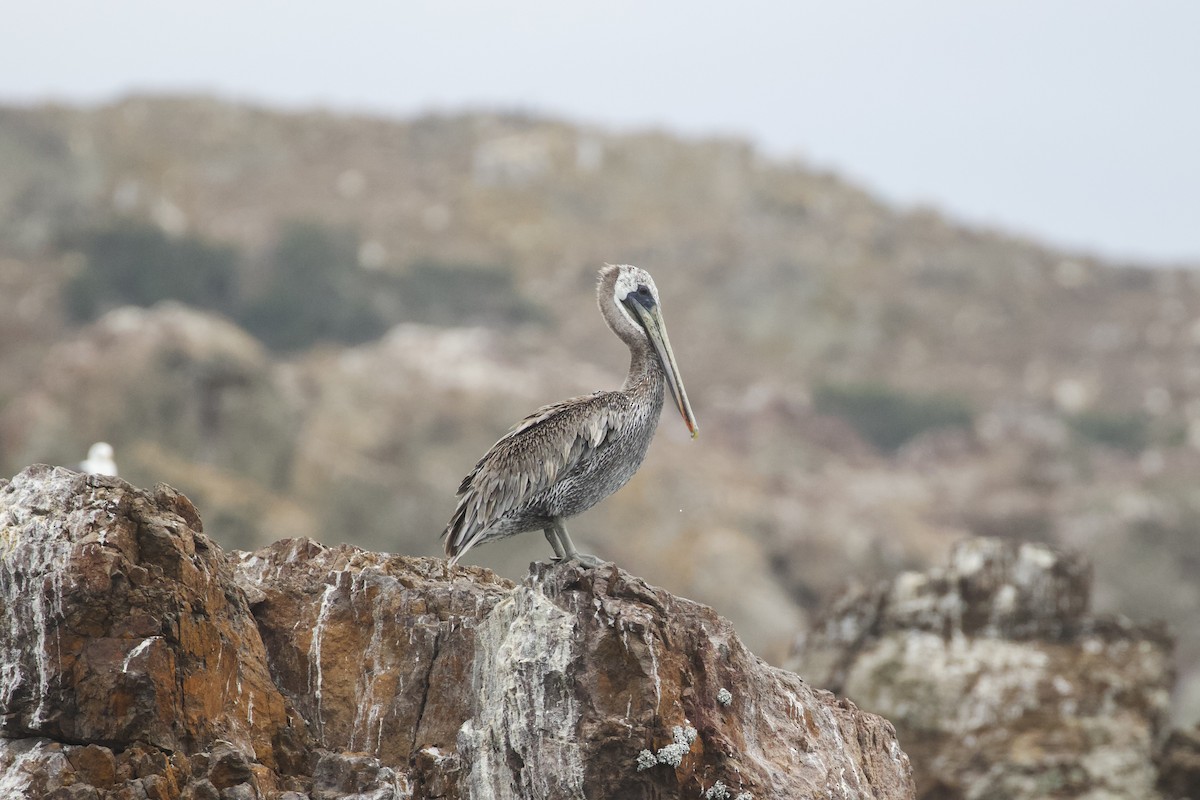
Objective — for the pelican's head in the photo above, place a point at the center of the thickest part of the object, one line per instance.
(629, 301)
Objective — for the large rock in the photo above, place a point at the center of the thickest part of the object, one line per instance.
(141, 661)
(122, 626)
(999, 680)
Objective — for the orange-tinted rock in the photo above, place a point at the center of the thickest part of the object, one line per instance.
(126, 630)
(95, 765)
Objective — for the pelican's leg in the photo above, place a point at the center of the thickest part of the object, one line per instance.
(552, 538)
(568, 547)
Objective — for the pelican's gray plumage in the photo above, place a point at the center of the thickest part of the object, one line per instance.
(566, 457)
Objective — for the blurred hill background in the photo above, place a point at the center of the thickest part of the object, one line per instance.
(314, 323)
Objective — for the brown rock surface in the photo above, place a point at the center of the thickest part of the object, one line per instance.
(144, 662)
(123, 629)
(999, 680)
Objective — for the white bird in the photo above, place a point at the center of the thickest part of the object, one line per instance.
(99, 460)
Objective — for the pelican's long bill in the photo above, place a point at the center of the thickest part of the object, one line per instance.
(656, 331)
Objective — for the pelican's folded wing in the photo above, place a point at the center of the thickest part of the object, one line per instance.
(527, 461)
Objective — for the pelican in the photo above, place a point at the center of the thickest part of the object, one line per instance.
(564, 458)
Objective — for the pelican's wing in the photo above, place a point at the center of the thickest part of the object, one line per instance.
(527, 460)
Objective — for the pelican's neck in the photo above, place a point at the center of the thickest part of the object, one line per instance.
(645, 371)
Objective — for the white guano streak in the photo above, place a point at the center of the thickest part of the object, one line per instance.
(524, 702)
(33, 559)
(314, 654)
(137, 651)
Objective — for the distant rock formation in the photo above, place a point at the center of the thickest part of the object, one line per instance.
(999, 680)
(1179, 765)
(140, 661)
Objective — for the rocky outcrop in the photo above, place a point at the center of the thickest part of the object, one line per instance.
(1179, 765)
(999, 680)
(141, 661)
(127, 648)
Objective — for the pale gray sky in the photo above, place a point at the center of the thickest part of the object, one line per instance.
(1076, 121)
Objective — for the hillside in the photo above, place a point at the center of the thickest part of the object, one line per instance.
(872, 384)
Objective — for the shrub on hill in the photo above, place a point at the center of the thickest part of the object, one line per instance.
(135, 263)
(887, 417)
(314, 291)
(1130, 431)
(442, 293)
(310, 288)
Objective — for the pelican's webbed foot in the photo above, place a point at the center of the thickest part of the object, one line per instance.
(564, 548)
(582, 559)
(587, 560)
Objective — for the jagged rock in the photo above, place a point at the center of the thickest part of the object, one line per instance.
(571, 674)
(123, 628)
(999, 681)
(143, 662)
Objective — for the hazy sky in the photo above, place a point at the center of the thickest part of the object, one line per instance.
(1075, 121)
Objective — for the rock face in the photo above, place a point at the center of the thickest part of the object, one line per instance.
(141, 661)
(999, 681)
(125, 632)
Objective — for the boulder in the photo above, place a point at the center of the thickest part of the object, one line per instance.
(999, 680)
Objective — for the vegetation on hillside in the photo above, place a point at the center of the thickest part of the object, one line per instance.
(887, 417)
(315, 291)
(135, 263)
(309, 289)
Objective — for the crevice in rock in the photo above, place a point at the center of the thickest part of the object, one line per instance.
(425, 690)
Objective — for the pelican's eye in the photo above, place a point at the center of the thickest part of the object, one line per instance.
(641, 296)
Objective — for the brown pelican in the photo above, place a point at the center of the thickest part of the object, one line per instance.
(564, 458)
